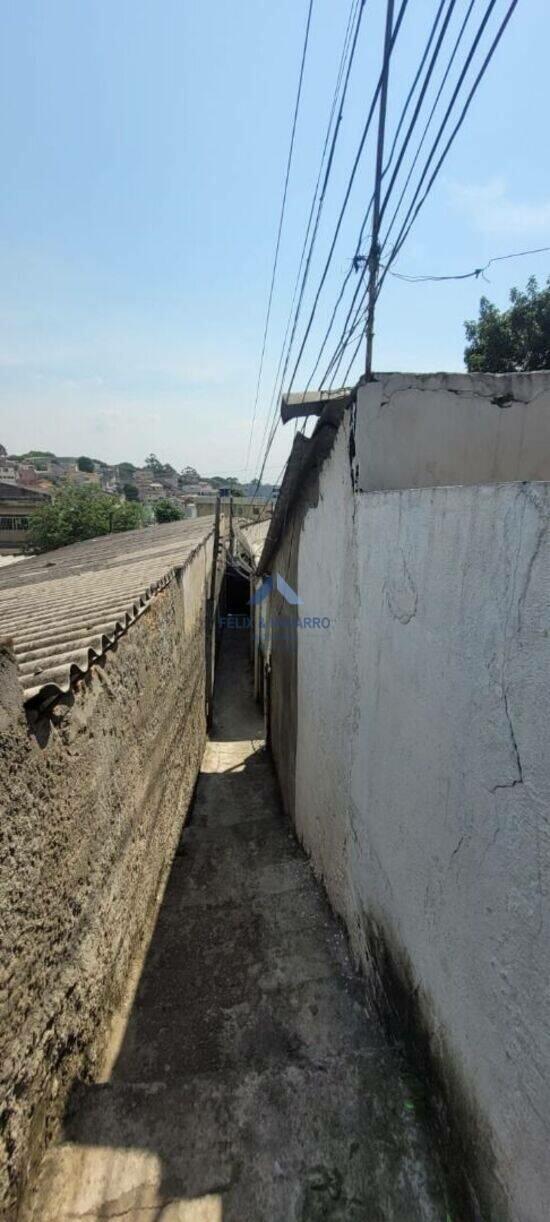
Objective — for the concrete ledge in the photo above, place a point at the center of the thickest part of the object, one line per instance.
(422, 431)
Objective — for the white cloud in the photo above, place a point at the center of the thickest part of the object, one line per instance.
(491, 210)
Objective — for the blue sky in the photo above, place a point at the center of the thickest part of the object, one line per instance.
(143, 149)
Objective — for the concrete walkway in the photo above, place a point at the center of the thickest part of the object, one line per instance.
(248, 1083)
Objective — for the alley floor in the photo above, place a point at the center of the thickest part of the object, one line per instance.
(248, 1082)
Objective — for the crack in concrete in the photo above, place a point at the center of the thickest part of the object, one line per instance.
(397, 599)
(477, 391)
(458, 847)
(543, 526)
(519, 779)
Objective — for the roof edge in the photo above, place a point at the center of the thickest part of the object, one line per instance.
(312, 402)
(306, 454)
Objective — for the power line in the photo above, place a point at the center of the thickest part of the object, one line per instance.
(356, 4)
(356, 9)
(351, 179)
(374, 255)
(413, 211)
(424, 185)
(281, 219)
(427, 126)
(474, 274)
(418, 106)
(366, 128)
(354, 262)
(346, 339)
(415, 82)
(270, 431)
(477, 271)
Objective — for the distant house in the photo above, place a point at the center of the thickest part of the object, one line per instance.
(16, 505)
(197, 489)
(29, 477)
(9, 471)
(81, 479)
(149, 487)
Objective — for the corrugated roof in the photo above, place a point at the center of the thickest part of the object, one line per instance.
(20, 492)
(65, 608)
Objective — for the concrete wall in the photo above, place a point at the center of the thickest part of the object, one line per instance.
(255, 535)
(92, 803)
(420, 431)
(419, 782)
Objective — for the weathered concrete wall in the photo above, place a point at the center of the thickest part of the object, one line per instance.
(422, 785)
(420, 431)
(92, 804)
(282, 699)
(255, 534)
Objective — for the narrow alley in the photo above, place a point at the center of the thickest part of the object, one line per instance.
(247, 1082)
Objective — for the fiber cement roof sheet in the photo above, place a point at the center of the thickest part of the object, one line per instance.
(64, 609)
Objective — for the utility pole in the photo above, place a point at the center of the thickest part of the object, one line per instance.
(374, 254)
(231, 531)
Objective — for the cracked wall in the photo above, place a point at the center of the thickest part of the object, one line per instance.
(92, 802)
(422, 783)
(428, 430)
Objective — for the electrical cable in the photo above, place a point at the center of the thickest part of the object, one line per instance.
(401, 14)
(346, 339)
(476, 273)
(355, 4)
(418, 107)
(281, 220)
(443, 82)
(356, 8)
(413, 211)
(385, 171)
(374, 254)
(271, 430)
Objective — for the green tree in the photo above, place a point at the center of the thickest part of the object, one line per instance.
(125, 471)
(154, 464)
(511, 341)
(126, 515)
(85, 464)
(189, 475)
(80, 513)
(130, 492)
(167, 511)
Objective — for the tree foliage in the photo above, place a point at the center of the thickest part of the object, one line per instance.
(80, 513)
(189, 475)
(223, 481)
(154, 465)
(85, 464)
(167, 511)
(511, 341)
(125, 470)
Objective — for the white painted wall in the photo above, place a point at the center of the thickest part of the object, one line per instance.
(423, 775)
(427, 430)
